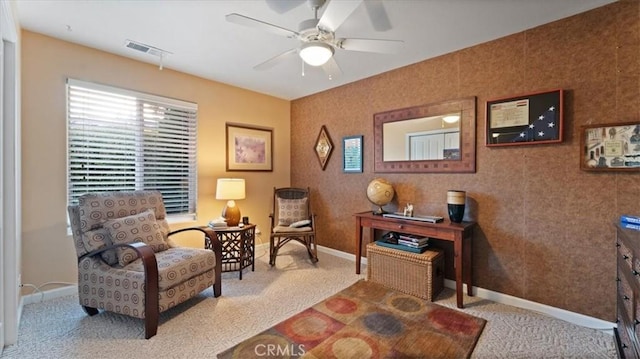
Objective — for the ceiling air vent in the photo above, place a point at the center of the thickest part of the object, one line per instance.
(147, 49)
(151, 50)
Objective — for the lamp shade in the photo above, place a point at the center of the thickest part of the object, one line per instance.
(230, 188)
(316, 53)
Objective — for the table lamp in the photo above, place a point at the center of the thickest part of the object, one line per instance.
(230, 189)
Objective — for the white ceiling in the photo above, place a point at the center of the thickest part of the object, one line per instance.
(204, 44)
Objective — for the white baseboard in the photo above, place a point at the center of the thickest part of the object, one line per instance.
(333, 252)
(341, 254)
(48, 294)
(568, 316)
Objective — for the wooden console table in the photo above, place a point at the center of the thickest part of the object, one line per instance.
(458, 233)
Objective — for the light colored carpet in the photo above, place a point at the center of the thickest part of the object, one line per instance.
(205, 326)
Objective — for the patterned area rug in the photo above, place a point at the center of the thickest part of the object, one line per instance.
(367, 320)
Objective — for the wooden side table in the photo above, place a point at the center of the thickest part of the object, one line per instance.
(238, 247)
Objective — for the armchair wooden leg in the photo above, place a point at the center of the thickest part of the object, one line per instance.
(150, 324)
(217, 285)
(151, 306)
(90, 311)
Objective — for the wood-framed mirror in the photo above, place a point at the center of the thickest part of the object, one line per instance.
(438, 137)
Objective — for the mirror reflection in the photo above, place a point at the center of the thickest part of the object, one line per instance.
(437, 137)
(425, 138)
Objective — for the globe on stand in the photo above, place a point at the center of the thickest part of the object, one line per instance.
(380, 192)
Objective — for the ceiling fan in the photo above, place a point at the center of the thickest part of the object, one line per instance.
(317, 36)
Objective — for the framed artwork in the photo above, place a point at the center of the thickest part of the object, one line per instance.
(323, 147)
(610, 147)
(529, 119)
(352, 154)
(249, 148)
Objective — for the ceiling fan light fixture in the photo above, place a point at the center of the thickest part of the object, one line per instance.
(316, 53)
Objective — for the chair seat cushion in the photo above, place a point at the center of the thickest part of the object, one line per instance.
(285, 229)
(177, 265)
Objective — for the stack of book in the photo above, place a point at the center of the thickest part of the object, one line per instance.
(406, 242)
(217, 224)
(631, 222)
(413, 241)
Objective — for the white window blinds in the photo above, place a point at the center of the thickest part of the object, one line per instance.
(121, 140)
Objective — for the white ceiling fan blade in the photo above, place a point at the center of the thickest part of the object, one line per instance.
(378, 15)
(336, 13)
(258, 24)
(371, 45)
(332, 69)
(275, 60)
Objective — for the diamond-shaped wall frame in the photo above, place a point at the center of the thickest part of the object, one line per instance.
(323, 147)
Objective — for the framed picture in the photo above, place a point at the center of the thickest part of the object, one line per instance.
(352, 154)
(525, 120)
(323, 147)
(610, 147)
(249, 148)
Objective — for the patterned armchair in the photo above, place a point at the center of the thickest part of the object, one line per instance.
(127, 262)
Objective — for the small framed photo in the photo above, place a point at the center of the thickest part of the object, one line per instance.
(610, 147)
(530, 119)
(352, 154)
(249, 148)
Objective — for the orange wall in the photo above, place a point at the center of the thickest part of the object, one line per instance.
(48, 253)
(545, 227)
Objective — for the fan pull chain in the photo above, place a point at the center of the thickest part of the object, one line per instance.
(302, 62)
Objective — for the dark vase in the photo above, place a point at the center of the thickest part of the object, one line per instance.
(455, 204)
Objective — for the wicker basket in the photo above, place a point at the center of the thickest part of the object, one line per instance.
(421, 275)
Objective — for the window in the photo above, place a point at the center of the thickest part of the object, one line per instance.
(121, 140)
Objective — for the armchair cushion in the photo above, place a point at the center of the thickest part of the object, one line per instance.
(141, 227)
(292, 210)
(98, 238)
(177, 265)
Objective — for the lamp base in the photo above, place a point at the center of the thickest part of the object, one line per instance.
(231, 213)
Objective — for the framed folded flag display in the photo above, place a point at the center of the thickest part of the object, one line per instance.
(525, 120)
